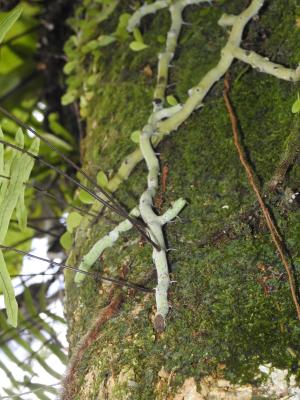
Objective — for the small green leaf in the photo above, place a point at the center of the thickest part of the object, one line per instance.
(90, 46)
(105, 40)
(121, 31)
(73, 220)
(137, 35)
(66, 240)
(85, 197)
(296, 106)
(69, 97)
(135, 136)
(161, 39)
(83, 102)
(91, 80)
(74, 82)
(171, 100)
(89, 95)
(138, 46)
(70, 66)
(102, 179)
(8, 20)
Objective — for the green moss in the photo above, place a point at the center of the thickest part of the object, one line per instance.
(221, 313)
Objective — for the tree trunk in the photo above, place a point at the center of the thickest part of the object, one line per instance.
(232, 317)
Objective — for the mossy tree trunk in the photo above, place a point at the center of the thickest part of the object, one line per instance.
(231, 305)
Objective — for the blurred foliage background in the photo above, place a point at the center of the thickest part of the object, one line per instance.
(33, 355)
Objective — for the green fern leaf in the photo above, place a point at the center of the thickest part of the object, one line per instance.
(8, 292)
(8, 20)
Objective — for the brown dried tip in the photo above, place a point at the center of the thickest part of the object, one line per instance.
(159, 323)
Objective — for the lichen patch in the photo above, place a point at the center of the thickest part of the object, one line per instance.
(189, 391)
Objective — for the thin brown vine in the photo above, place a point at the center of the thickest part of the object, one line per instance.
(251, 177)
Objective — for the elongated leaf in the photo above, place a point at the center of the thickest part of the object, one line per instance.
(8, 20)
(9, 375)
(27, 347)
(20, 166)
(42, 396)
(20, 171)
(57, 351)
(1, 155)
(37, 332)
(10, 354)
(8, 292)
(22, 343)
(21, 211)
(19, 140)
(34, 149)
(46, 367)
(105, 40)
(10, 80)
(11, 393)
(40, 323)
(29, 303)
(137, 35)
(55, 317)
(36, 387)
(121, 31)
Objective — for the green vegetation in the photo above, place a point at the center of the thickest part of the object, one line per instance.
(16, 168)
(231, 306)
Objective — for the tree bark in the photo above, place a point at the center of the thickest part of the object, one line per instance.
(231, 308)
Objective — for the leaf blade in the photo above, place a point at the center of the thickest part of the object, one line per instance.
(137, 46)
(9, 294)
(7, 22)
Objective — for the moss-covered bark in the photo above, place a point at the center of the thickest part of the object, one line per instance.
(231, 305)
